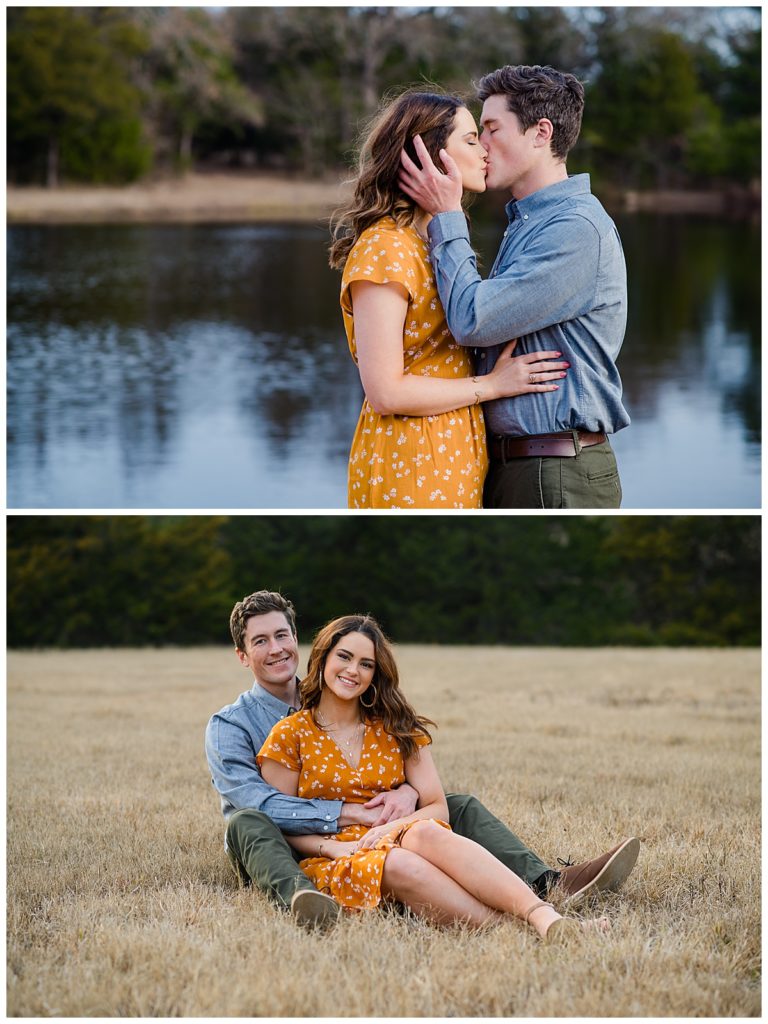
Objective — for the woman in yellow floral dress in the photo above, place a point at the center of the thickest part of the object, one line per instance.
(357, 736)
(420, 438)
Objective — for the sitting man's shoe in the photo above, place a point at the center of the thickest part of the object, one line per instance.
(603, 874)
(315, 909)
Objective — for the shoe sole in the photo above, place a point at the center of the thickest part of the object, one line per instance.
(613, 873)
(314, 909)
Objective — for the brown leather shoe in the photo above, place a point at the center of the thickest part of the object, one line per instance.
(605, 873)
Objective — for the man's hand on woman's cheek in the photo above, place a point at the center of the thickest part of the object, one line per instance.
(434, 190)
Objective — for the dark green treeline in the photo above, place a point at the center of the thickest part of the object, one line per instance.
(112, 93)
(79, 581)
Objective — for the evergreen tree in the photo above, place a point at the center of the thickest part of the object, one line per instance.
(71, 105)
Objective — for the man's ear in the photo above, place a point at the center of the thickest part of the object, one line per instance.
(241, 657)
(544, 132)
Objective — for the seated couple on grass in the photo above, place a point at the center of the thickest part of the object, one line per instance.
(348, 789)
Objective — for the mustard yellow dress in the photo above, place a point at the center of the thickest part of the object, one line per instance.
(324, 772)
(413, 461)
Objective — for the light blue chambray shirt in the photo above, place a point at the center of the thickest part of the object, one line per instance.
(559, 283)
(233, 738)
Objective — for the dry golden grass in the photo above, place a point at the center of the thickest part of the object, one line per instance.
(190, 198)
(121, 900)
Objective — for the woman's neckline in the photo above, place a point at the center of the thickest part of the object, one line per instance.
(419, 225)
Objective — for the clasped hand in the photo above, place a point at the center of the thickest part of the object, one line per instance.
(373, 835)
(334, 849)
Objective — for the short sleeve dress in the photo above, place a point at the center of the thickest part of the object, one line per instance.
(298, 743)
(395, 461)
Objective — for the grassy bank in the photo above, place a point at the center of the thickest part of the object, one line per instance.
(251, 198)
(193, 198)
(121, 901)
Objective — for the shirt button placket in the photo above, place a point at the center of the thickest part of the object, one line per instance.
(499, 264)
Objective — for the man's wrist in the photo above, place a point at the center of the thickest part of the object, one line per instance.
(347, 815)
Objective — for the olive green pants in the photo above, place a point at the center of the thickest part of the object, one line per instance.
(259, 853)
(587, 480)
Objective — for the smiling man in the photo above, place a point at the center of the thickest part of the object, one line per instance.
(263, 627)
(558, 283)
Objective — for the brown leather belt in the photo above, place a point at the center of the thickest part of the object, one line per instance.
(561, 444)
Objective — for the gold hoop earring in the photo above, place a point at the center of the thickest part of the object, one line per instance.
(375, 697)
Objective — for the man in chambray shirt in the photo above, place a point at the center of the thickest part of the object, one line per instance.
(263, 627)
(558, 283)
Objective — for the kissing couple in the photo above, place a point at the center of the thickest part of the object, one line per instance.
(498, 392)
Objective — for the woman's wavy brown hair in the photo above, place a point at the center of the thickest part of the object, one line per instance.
(377, 192)
(389, 705)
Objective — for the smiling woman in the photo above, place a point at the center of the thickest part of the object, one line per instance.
(350, 666)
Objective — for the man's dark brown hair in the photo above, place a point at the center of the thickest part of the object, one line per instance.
(260, 603)
(536, 92)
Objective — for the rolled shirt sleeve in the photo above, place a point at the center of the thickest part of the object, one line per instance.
(231, 757)
(551, 281)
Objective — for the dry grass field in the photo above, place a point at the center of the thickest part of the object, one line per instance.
(121, 901)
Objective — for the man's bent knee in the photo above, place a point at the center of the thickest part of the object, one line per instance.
(249, 818)
(249, 825)
(258, 849)
(249, 814)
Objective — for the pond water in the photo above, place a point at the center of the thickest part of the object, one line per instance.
(205, 366)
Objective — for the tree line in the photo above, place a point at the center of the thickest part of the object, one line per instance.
(84, 581)
(112, 94)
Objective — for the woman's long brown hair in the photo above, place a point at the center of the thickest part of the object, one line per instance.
(389, 705)
(377, 192)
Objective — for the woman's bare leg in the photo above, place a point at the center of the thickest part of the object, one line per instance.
(477, 872)
(429, 892)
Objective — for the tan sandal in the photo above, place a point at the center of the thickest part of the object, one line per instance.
(561, 930)
(536, 906)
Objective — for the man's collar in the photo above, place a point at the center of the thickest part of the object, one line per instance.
(269, 700)
(542, 198)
